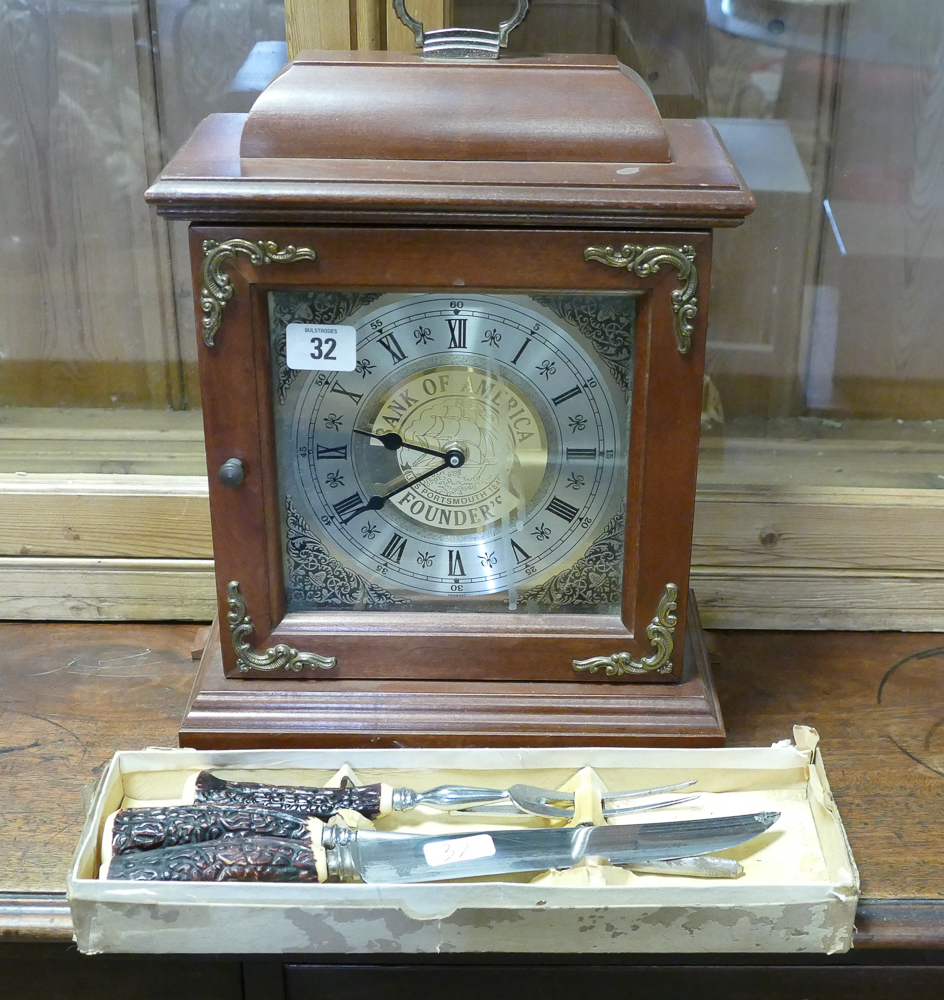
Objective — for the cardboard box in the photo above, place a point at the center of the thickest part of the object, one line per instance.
(798, 892)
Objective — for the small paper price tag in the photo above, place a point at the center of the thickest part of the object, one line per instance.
(448, 852)
(309, 347)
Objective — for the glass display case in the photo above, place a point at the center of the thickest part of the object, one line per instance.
(820, 458)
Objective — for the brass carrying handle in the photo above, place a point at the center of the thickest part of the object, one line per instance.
(461, 43)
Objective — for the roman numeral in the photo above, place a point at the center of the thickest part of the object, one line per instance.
(520, 554)
(394, 549)
(457, 328)
(562, 509)
(580, 454)
(455, 563)
(345, 508)
(356, 396)
(564, 396)
(514, 360)
(389, 343)
(339, 452)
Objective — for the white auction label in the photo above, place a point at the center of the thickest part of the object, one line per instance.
(309, 346)
(448, 852)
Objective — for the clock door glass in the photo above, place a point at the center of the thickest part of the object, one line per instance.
(473, 458)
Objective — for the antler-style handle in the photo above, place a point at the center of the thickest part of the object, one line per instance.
(368, 800)
(150, 828)
(247, 859)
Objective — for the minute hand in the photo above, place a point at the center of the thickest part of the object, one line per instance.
(392, 441)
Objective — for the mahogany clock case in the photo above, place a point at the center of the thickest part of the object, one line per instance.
(237, 386)
(510, 182)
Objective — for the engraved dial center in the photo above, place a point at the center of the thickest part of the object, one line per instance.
(494, 440)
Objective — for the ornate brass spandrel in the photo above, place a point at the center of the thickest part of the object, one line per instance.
(661, 635)
(217, 287)
(280, 657)
(646, 261)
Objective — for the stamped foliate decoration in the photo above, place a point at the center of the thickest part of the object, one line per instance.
(594, 579)
(317, 308)
(280, 657)
(317, 578)
(608, 322)
(646, 261)
(217, 287)
(661, 635)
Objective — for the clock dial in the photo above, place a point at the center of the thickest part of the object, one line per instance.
(477, 451)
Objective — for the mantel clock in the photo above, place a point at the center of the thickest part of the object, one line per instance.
(452, 323)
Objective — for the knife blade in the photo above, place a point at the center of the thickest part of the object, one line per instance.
(384, 857)
(338, 853)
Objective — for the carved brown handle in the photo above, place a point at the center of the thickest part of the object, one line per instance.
(320, 802)
(247, 859)
(153, 827)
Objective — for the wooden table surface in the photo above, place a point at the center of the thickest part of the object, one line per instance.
(71, 695)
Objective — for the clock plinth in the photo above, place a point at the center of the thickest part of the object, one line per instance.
(452, 332)
(231, 714)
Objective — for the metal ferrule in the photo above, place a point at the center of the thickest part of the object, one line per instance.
(338, 842)
(404, 798)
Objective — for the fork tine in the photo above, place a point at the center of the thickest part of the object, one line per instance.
(638, 794)
(645, 806)
(540, 801)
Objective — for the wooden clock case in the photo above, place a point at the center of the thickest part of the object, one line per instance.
(379, 171)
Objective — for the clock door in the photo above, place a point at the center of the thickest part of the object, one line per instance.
(472, 457)
(464, 454)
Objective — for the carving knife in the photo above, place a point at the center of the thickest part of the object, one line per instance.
(340, 854)
(149, 828)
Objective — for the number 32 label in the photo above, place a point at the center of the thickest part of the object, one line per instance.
(310, 347)
(449, 852)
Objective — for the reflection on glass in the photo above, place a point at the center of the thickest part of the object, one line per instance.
(824, 346)
(97, 346)
(473, 453)
(825, 312)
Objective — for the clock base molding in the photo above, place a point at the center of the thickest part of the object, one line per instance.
(237, 713)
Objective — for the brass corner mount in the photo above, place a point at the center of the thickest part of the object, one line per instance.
(280, 657)
(661, 635)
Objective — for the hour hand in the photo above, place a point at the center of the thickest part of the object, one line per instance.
(392, 442)
(376, 502)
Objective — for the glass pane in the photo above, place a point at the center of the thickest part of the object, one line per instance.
(473, 456)
(833, 377)
(823, 355)
(97, 345)
(824, 350)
